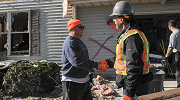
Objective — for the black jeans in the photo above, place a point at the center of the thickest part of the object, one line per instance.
(76, 91)
(177, 66)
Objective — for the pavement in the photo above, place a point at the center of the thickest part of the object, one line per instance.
(169, 83)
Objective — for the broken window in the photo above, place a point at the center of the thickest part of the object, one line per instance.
(19, 22)
(19, 33)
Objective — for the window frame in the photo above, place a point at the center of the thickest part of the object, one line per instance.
(33, 30)
(9, 32)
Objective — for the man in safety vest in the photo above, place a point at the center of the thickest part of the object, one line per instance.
(132, 54)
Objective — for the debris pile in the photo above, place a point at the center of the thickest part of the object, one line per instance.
(31, 78)
(103, 89)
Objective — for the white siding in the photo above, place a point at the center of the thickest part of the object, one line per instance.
(95, 21)
(53, 27)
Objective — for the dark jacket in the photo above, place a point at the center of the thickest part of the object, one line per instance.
(134, 63)
(75, 59)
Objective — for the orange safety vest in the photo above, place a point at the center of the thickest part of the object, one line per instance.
(120, 63)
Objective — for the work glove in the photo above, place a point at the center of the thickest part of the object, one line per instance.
(109, 62)
(127, 97)
(102, 66)
(165, 59)
(104, 62)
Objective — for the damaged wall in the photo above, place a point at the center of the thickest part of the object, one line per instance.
(52, 26)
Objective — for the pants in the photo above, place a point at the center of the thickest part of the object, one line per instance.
(177, 66)
(76, 91)
(142, 90)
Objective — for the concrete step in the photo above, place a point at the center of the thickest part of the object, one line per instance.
(169, 83)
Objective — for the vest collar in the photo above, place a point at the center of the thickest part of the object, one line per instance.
(127, 27)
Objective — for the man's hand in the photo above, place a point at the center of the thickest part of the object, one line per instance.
(102, 67)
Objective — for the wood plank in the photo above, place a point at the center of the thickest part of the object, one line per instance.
(164, 95)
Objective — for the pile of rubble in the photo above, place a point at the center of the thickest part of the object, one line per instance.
(103, 88)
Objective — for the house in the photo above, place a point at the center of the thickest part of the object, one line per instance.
(41, 26)
(34, 29)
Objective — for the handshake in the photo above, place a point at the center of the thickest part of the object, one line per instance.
(102, 66)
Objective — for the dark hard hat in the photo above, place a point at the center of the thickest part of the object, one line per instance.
(122, 8)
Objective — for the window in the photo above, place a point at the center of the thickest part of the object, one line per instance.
(21, 31)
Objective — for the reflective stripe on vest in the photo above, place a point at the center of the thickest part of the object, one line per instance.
(120, 63)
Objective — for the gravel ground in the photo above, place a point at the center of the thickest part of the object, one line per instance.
(57, 93)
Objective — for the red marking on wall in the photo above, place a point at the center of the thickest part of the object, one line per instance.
(102, 46)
